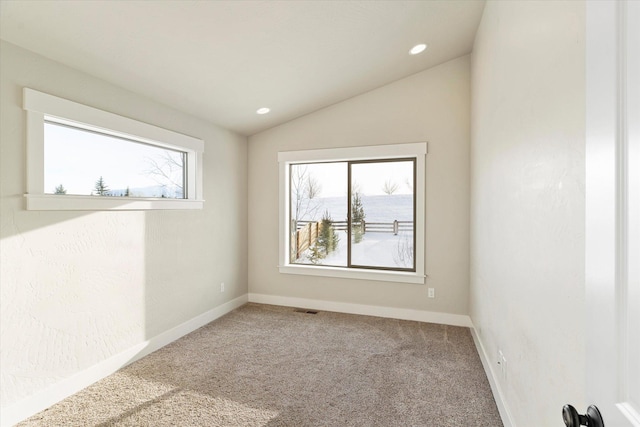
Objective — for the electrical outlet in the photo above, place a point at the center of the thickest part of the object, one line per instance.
(222, 287)
(431, 293)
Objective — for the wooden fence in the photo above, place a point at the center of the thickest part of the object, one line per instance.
(305, 236)
(307, 232)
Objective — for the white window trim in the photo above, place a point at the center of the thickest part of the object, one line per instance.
(39, 105)
(411, 150)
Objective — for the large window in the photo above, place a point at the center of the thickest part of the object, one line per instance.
(356, 212)
(81, 158)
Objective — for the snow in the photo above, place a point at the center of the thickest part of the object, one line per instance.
(377, 208)
(375, 250)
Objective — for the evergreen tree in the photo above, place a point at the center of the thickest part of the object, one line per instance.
(315, 254)
(60, 190)
(127, 193)
(101, 188)
(327, 237)
(357, 217)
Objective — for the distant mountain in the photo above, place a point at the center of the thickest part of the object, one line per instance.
(158, 191)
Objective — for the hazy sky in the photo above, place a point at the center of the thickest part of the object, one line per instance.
(370, 178)
(77, 159)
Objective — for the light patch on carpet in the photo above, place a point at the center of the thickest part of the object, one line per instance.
(270, 366)
(182, 407)
(132, 401)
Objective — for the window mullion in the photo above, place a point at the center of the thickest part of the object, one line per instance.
(415, 226)
(292, 224)
(349, 214)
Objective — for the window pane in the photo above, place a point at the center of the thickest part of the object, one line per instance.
(81, 162)
(382, 214)
(318, 212)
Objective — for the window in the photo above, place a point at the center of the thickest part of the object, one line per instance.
(354, 212)
(81, 158)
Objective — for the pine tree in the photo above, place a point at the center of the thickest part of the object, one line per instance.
(127, 193)
(101, 188)
(315, 254)
(327, 237)
(357, 217)
(60, 190)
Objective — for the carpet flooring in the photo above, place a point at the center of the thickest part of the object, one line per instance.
(271, 366)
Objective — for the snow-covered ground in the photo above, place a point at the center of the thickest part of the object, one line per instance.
(375, 250)
(377, 208)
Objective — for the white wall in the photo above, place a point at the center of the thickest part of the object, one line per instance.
(429, 106)
(80, 287)
(527, 202)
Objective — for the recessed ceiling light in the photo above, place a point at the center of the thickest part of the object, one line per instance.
(418, 49)
(263, 110)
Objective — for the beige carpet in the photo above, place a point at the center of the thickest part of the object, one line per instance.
(273, 366)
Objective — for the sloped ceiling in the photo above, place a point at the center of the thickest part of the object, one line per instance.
(222, 60)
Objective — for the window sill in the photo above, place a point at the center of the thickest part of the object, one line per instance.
(352, 273)
(53, 202)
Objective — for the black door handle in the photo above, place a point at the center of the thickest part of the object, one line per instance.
(592, 418)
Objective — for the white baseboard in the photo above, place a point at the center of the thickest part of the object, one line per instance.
(59, 391)
(367, 310)
(498, 394)
(404, 314)
(65, 388)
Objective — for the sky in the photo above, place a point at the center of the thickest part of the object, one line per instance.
(369, 178)
(76, 159)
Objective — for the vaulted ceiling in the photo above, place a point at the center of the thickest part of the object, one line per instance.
(222, 60)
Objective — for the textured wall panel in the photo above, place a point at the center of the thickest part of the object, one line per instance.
(80, 287)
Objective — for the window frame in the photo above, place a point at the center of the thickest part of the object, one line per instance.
(415, 151)
(350, 164)
(41, 107)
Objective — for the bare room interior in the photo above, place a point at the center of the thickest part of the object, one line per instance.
(338, 213)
